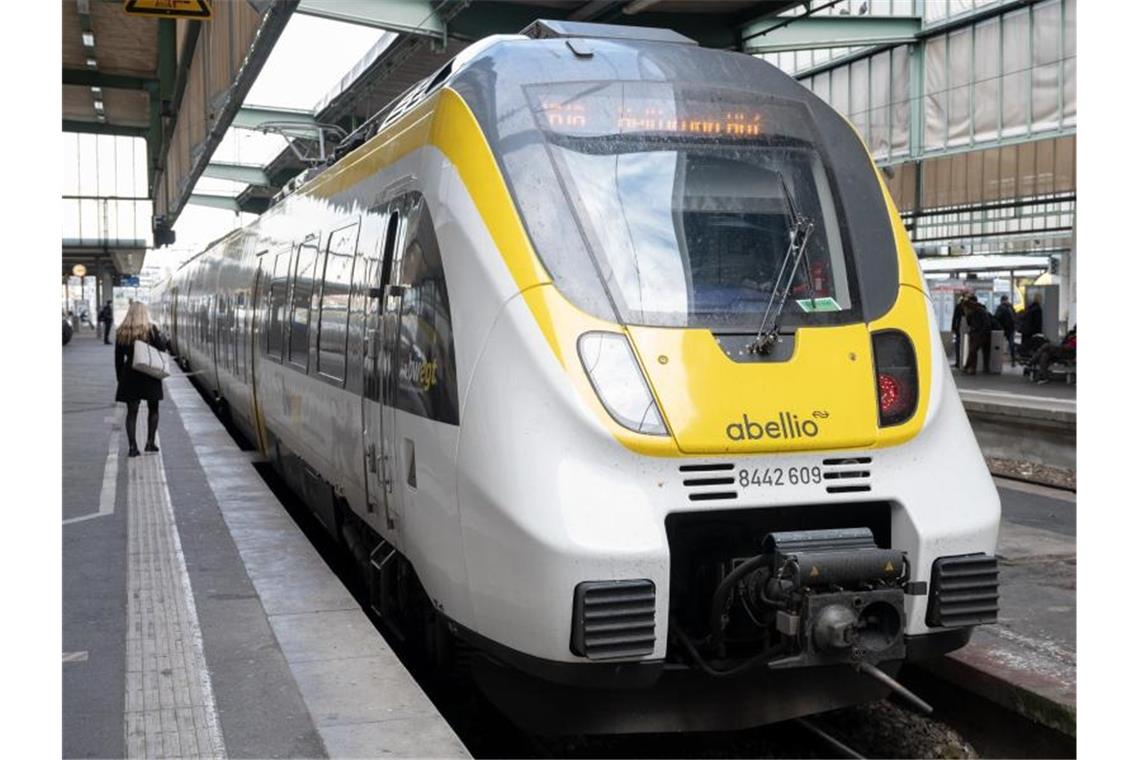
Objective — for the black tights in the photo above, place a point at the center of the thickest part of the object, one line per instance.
(151, 422)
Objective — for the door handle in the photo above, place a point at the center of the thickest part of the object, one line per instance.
(371, 457)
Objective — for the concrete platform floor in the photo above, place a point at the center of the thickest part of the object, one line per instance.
(1011, 381)
(198, 620)
(1028, 661)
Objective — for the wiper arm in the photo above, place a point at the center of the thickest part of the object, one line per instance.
(799, 230)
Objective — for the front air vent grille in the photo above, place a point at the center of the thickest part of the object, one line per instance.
(613, 619)
(847, 474)
(963, 591)
(706, 482)
(718, 467)
(710, 481)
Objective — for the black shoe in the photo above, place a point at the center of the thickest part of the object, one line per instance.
(151, 447)
(133, 451)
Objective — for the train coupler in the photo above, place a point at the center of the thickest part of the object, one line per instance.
(837, 596)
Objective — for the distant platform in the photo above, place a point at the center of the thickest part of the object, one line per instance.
(198, 620)
(1017, 419)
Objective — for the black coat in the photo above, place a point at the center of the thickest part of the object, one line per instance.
(1031, 322)
(1004, 316)
(959, 312)
(134, 385)
(978, 319)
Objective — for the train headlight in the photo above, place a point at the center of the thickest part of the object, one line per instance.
(897, 376)
(617, 379)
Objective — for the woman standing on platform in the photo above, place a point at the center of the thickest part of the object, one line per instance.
(134, 386)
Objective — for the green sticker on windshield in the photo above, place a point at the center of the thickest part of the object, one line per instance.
(827, 303)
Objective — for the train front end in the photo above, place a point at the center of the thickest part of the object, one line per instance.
(713, 466)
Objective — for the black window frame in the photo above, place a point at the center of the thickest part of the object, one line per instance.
(278, 281)
(310, 246)
(352, 231)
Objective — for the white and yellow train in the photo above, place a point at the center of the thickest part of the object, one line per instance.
(609, 358)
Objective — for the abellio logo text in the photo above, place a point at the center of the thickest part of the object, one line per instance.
(786, 425)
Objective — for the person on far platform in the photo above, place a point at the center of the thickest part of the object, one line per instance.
(978, 321)
(956, 328)
(106, 317)
(1004, 316)
(135, 387)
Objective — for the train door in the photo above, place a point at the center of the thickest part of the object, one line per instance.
(381, 364)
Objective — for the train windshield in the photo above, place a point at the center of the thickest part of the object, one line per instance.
(684, 203)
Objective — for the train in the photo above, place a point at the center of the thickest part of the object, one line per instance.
(608, 359)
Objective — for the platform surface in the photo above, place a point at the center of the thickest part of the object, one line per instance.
(198, 620)
(1013, 394)
(1028, 661)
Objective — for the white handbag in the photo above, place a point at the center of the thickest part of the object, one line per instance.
(149, 360)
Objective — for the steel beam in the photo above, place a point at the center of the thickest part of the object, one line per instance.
(93, 78)
(161, 103)
(252, 117)
(214, 201)
(416, 17)
(272, 24)
(252, 175)
(829, 32)
(102, 128)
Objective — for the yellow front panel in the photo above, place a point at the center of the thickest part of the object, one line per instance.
(824, 397)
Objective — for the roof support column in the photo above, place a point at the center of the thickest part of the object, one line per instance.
(154, 150)
(161, 95)
(917, 104)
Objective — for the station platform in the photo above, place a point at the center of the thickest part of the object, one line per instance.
(198, 620)
(1017, 419)
(1027, 661)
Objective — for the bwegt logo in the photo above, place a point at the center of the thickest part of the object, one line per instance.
(786, 425)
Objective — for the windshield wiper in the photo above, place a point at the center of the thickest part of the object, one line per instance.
(799, 230)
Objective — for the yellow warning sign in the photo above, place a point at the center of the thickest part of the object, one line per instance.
(814, 572)
(191, 9)
(889, 567)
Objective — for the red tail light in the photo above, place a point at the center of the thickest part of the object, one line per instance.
(897, 372)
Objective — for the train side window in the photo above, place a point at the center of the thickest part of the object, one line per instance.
(332, 318)
(203, 321)
(302, 303)
(222, 318)
(389, 247)
(427, 349)
(240, 320)
(231, 338)
(278, 291)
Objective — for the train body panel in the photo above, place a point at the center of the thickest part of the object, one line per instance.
(442, 337)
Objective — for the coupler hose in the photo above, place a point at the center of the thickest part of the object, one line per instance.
(705, 667)
(720, 596)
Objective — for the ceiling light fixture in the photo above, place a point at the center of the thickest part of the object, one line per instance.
(92, 63)
(89, 39)
(97, 91)
(99, 106)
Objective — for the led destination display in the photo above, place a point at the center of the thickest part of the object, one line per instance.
(598, 109)
(592, 118)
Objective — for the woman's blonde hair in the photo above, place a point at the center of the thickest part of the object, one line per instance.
(136, 325)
